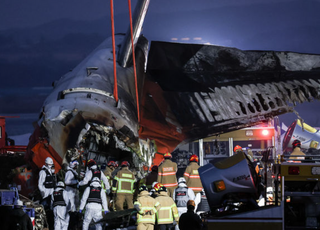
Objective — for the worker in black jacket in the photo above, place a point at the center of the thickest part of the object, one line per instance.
(189, 219)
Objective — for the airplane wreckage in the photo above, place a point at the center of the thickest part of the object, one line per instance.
(134, 106)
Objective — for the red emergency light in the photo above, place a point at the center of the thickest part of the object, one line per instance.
(265, 132)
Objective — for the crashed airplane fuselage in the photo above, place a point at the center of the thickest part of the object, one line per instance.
(186, 92)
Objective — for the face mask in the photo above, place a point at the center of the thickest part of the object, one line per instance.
(49, 166)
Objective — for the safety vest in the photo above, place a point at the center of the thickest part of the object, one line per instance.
(58, 198)
(96, 173)
(146, 203)
(181, 194)
(95, 195)
(168, 210)
(50, 179)
(125, 180)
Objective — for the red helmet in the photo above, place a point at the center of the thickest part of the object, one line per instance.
(125, 163)
(194, 158)
(157, 186)
(91, 163)
(112, 163)
(296, 143)
(236, 148)
(167, 155)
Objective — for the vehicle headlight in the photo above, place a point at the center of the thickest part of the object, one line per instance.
(315, 170)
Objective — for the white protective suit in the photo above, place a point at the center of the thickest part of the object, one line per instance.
(61, 213)
(45, 192)
(190, 195)
(73, 192)
(93, 210)
(88, 176)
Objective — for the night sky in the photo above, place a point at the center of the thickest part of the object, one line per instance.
(29, 28)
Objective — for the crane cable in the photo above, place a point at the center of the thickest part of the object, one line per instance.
(134, 61)
(115, 85)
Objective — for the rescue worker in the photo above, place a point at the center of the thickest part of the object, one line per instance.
(123, 185)
(237, 148)
(60, 207)
(147, 208)
(17, 218)
(46, 183)
(167, 174)
(153, 192)
(190, 220)
(92, 199)
(72, 183)
(181, 195)
(191, 175)
(151, 177)
(296, 154)
(93, 171)
(62, 172)
(109, 169)
(168, 215)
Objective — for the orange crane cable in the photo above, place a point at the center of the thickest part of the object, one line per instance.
(115, 85)
(134, 61)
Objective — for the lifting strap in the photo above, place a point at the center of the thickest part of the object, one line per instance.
(115, 86)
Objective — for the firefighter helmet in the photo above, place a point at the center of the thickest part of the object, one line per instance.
(157, 186)
(237, 148)
(296, 143)
(49, 161)
(167, 155)
(111, 163)
(194, 158)
(91, 163)
(125, 164)
(143, 188)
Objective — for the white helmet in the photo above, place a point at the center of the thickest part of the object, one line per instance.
(154, 183)
(73, 164)
(49, 161)
(18, 203)
(60, 184)
(181, 180)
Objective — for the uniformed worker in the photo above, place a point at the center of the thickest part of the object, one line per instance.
(190, 220)
(72, 183)
(153, 192)
(147, 208)
(191, 175)
(168, 215)
(93, 199)
(60, 207)
(15, 218)
(123, 185)
(167, 174)
(181, 195)
(297, 155)
(46, 182)
(109, 169)
(93, 171)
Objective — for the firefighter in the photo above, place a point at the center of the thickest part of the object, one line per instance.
(109, 169)
(237, 148)
(296, 154)
(190, 220)
(153, 192)
(92, 199)
(191, 175)
(167, 174)
(93, 171)
(152, 177)
(181, 195)
(46, 182)
(72, 183)
(168, 215)
(147, 208)
(123, 185)
(60, 207)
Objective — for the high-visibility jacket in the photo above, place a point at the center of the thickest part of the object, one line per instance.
(296, 152)
(147, 208)
(168, 211)
(108, 172)
(167, 174)
(191, 175)
(124, 181)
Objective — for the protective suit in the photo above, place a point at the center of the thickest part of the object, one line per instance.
(182, 195)
(46, 182)
(93, 199)
(71, 181)
(60, 207)
(92, 172)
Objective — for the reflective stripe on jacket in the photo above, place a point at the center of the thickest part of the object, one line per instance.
(191, 175)
(168, 211)
(147, 208)
(124, 181)
(167, 174)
